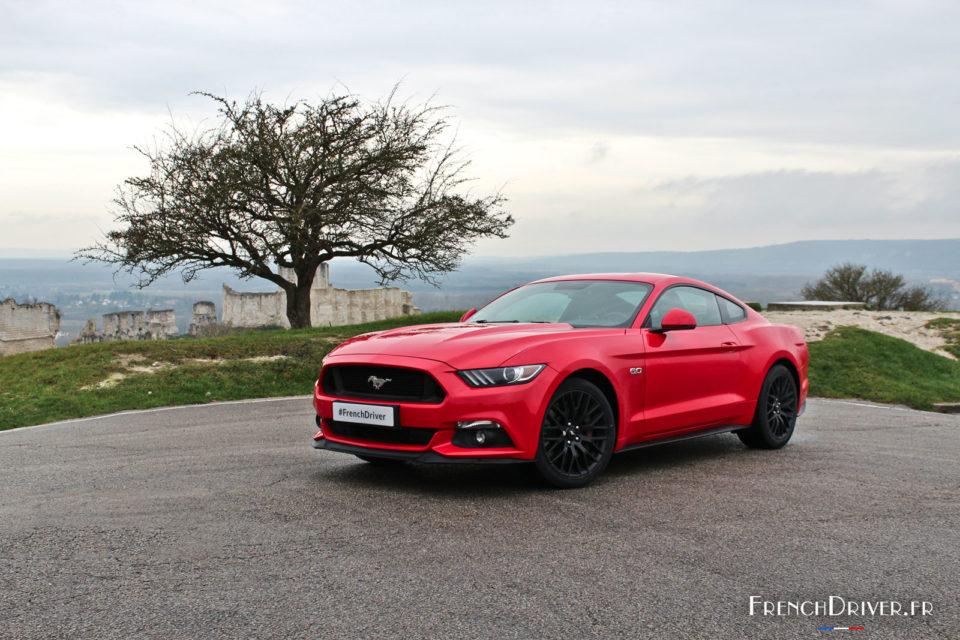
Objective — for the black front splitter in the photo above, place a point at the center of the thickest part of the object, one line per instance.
(407, 456)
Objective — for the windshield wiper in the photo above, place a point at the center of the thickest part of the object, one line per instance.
(514, 321)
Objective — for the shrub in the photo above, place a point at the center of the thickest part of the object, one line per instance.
(880, 290)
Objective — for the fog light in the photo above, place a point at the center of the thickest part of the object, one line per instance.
(480, 434)
(478, 424)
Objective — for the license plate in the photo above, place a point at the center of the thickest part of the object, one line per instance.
(378, 414)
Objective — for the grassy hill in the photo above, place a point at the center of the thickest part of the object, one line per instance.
(855, 363)
(85, 380)
(102, 378)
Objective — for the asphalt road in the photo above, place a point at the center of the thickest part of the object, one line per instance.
(222, 521)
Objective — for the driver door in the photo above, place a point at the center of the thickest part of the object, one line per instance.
(693, 376)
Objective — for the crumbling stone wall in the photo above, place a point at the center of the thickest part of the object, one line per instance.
(131, 325)
(328, 305)
(123, 325)
(162, 324)
(254, 309)
(27, 327)
(204, 318)
(88, 334)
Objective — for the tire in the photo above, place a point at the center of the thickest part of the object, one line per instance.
(776, 414)
(383, 462)
(577, 435)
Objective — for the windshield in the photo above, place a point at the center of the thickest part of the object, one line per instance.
(581, 303)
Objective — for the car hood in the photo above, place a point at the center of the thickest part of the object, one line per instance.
(461, 345)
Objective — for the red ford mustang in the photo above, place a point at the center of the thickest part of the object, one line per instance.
(565, 372)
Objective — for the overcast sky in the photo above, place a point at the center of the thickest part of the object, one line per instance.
(608, 125)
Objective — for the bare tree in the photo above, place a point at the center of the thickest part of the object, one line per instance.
(879, 289)
(295, 186)
(918, 298)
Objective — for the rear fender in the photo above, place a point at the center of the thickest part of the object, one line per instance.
(772, 343)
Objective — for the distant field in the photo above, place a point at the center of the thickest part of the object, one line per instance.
(86, 380)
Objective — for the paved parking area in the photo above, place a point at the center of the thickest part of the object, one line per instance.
(222, 521)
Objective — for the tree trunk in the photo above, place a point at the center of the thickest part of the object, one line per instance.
(298, 300)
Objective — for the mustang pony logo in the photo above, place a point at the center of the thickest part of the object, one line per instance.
(378, 382)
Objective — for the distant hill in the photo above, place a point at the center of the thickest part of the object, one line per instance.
(762, 274)
(918, 259)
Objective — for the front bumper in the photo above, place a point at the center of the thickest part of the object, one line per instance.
(518, 409)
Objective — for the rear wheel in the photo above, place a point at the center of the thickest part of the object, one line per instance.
(776, 414)
(577, 436)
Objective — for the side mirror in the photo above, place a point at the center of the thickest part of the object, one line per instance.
(467, 315)
(677, 320)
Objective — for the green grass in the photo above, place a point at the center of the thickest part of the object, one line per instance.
(58, 384)
(855, 363)
(950, 328)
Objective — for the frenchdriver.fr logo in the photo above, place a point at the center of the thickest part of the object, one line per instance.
(839, 606)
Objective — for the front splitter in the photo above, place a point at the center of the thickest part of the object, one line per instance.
(407, 456)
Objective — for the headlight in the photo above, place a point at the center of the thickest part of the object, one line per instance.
(501, 376)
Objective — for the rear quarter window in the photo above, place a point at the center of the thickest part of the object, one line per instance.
(732, 312)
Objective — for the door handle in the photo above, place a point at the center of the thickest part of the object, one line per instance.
(728, 346)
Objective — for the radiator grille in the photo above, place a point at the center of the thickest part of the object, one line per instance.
(401, 385)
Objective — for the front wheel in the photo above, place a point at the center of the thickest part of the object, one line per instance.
(577, 436)
(776, 414)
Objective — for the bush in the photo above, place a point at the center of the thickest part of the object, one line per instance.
(880, 290)
(756, 306)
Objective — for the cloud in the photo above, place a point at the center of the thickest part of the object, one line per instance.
(744, 210)
(597, 152)
(864, 73)
(617, 125)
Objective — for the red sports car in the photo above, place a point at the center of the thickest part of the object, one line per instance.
(564, 372)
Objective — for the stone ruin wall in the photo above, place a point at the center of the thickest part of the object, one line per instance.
(342, 306)
(328, 305)
(27, 327)
(123, 325)
(32, 327)
(242, 309)
(204, 318)
(162, 324)
(131, 325)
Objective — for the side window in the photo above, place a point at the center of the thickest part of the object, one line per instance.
(702, 304)
(732, 312)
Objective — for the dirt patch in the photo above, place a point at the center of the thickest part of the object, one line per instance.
(131, 363)
(111, 381)
(907, 325)
(219, 361)
(136, 364)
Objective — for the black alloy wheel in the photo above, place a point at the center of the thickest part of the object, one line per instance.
(776, 413)
(577, 436)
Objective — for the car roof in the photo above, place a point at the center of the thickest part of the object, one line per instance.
(651, 278)
(656, 279)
